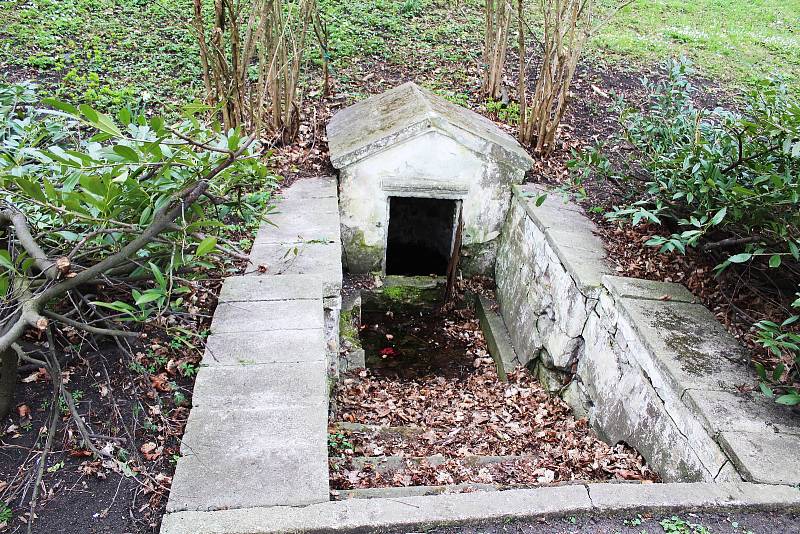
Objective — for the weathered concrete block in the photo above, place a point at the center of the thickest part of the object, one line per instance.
(733, 411)
(308, 220)
(237, 349)
(232, 317)
(252, 457)
(764, 457)
(636, 288)
(305, 188)
(613, 498)
(260, 386)
(497, 339)
(264, 288)
(322, 260)
(689, 346)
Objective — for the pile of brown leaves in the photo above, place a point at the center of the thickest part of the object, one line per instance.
(464, 416)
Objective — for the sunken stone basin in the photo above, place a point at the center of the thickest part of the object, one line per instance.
(413, 167)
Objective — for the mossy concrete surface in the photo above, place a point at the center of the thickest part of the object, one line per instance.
(404, 292)
(650, 366)
(497, 339)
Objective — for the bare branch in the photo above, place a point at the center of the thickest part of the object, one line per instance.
(88, 328)
(20, 223)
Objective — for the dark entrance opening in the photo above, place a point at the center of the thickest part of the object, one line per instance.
(420, 235)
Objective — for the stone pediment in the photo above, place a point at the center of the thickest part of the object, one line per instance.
(390, 118)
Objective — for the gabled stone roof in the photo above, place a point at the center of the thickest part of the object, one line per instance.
(406, 111)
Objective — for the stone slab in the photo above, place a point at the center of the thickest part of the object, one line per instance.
(732, 411)
(235, 349)
(252, 457)
(266, 288)
(233, 317)
(498, 340)
(255, 428)
(304, 203)
(688, 344)
(375, 515)
(636, 288)
(764, 457)
(301, 225)
(261, 386)
(322, 260)
(319, 259)
(554, 213)
(317, 187)
(586, 268)
(579, 238)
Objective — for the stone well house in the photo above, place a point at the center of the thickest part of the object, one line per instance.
(413, 167)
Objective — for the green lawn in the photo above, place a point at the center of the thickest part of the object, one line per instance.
(109, 52)
(735, 41)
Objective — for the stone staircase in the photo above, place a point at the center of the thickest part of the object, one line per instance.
(257, 432)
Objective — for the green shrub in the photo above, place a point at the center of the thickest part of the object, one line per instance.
(727, 182)
(89, 184)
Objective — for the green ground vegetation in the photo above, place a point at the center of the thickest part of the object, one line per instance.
(736, 41)
(104, 53)
(107, 53)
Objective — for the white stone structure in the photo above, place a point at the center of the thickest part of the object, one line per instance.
(647, 363)
(410, 143)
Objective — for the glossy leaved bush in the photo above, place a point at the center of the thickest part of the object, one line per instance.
(723, 181)
(89, 184)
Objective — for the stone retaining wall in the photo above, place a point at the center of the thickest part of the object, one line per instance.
(644, 361)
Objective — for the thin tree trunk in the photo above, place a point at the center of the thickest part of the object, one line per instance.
(8, 381)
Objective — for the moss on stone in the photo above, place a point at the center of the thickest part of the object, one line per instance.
(400, 297)
(347, 329)
(404, 294)
(361, 257)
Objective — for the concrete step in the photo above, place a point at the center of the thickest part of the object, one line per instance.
(244, 317)
(289, 345)
(252, 457)
(390, 464)
(410, 491)
(322, 259)
(261, 386)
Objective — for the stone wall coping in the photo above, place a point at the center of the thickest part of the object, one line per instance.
(420, 512)
(688, 358)
(403, 112)
(570, 234)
